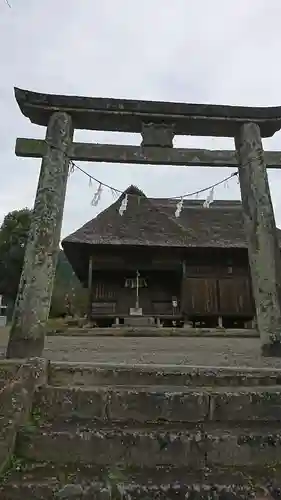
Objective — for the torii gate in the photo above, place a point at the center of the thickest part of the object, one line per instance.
(158, 123)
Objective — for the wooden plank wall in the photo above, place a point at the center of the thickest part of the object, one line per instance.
(200, 296)
(109, 293)
(235, 295)
(207, 289)
(221, 296)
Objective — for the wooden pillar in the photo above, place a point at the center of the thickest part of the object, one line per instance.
(182, 292)
(33, 301)
(90, 282)
(260, 230)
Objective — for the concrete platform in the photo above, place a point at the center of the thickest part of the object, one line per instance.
(152, 331)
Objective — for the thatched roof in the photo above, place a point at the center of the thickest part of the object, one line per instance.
(152, 222)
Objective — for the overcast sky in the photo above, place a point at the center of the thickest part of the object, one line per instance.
(219, 51)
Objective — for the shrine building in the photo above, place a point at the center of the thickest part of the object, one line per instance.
(191, 269)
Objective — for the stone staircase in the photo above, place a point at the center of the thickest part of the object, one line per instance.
(150, 432)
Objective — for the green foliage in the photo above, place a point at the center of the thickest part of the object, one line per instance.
(13, 237)
(69, 298)
(68, 294)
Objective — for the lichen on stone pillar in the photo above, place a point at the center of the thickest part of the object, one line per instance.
(261, 234)
(36, 284)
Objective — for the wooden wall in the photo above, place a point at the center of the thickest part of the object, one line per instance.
(220, 289)
(109, 294)
(209, 296)
(211, 282)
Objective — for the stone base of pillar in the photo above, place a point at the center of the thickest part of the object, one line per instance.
(272, 350)
(25, 348)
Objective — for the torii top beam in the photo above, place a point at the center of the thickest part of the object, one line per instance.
(125, 115)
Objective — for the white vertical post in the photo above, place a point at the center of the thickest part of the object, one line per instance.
(137, 291)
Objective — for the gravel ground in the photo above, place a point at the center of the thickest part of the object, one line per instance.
(194, 351)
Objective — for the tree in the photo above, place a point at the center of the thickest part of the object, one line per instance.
(69, 297)
(13, 238)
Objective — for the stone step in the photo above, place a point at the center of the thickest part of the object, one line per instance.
(90, 374)
(160, 403)
(42, 482)
(196, 447)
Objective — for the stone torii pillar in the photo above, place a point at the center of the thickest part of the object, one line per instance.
(36, 284)
(260, 229)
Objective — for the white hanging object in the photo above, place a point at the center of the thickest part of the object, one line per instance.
(209, 199)
(97, 196)
(123, 206)
(179, 208)
(72, 168)
(114, 193)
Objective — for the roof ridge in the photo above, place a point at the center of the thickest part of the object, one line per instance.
(135, 189)
(198, 202)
